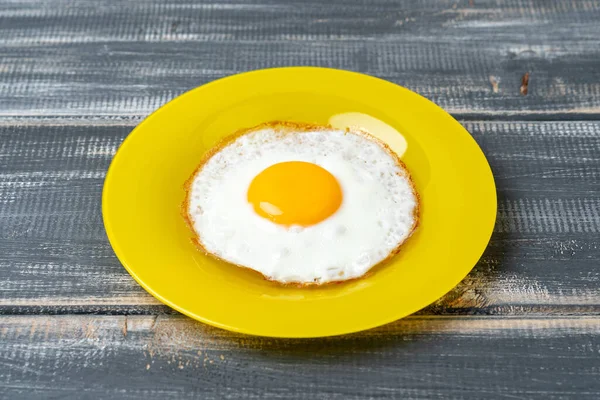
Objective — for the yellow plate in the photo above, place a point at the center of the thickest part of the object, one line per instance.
(143, 193)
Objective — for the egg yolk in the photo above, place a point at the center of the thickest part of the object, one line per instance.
(295, 193)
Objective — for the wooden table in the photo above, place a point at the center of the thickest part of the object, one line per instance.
(77, 76)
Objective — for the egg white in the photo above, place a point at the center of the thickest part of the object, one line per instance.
(377, 214)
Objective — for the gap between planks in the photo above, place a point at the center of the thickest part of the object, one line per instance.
(146, 305)
(134, 119)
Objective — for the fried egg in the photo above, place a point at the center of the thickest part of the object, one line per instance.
(302, 204)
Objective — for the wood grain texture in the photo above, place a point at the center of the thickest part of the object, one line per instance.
(87, 357)
(77, 76)
(65, 57)
(55, 258)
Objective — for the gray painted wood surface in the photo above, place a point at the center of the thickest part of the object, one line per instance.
(129, 57)
(57, 258)
(172, 357)
(77, 76)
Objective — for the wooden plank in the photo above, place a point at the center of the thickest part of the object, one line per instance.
(543, 257)
(418, 358)
(98, 57)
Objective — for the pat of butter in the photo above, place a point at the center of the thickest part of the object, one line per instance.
(372, 125)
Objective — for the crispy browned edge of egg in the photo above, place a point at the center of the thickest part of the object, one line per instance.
(281, 127)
